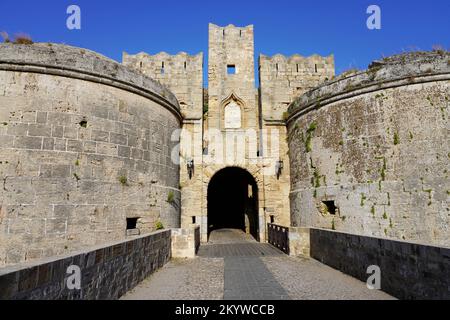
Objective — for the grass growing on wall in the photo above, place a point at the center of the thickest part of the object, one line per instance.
(170, 197)
(396, 139)
(123, 180)
(159, 225)
(309, 132)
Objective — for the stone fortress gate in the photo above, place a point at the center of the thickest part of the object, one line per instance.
(234, 134)
(93, 151)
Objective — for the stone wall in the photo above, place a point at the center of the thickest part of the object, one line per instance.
(185, 242)
(107, 272)
(231, 46)
(85, 144)
(282, 79)
(408, 270)
(369, 152)
(182, 74)
(299, 241)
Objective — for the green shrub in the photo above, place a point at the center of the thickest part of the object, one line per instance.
(170, 197)
(316, 178)
(309, 132)
(123, 180)
(23, 38)
(159, 225)
(363, 198)
(396, 139)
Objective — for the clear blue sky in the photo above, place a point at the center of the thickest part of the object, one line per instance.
(281, 26)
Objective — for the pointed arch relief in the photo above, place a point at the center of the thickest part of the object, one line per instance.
(232, 112)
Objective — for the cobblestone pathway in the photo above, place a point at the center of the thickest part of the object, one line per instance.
(233, 266)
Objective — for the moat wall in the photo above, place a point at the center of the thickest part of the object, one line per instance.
(376, 143)
(106, 272)
(407, 270)
(85, 143)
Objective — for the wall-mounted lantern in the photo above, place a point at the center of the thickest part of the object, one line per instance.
(190, 167)
(279, 168)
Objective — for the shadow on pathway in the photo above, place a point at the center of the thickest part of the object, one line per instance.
(233, 266)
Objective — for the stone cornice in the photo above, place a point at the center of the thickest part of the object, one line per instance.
(77, 63)
(393, 72)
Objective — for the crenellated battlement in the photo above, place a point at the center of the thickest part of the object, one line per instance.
(284, 78)
(181, 73)
(164, 63)
(297, 64)
(229, 32)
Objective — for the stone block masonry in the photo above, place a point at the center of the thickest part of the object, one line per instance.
(181, 73)
(185, 242)
(107, 272)
(85, 144)
(369, 152)
(408, 270)
(232, 104)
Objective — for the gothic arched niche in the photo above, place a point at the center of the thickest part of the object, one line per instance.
(232, 116)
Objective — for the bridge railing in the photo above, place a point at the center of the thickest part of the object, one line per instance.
(279, 237)
(103, 272)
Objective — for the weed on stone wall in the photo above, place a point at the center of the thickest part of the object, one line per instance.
(396, 139)
(170, 197)
(159, 225)
(363, 199)
(123, 180)
(309, 133)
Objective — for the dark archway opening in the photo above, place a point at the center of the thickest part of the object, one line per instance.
(233, 201)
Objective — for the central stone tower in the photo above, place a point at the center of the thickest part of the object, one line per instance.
(234, 168)
(231, 78)
(230, 164)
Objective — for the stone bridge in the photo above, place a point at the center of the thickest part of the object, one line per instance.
(233, 266)
(166, 264)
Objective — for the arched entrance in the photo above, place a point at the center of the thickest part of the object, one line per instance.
(233, 201)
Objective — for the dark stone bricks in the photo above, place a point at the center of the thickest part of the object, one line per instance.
(106, 273)
(408, 270)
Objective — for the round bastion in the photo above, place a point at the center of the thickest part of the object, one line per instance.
(369, 151)
(85, 152)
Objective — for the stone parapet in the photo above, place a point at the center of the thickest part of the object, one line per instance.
(407, 270)
(107, 271)
(185, 242)
(79, 63)
(398, 70)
